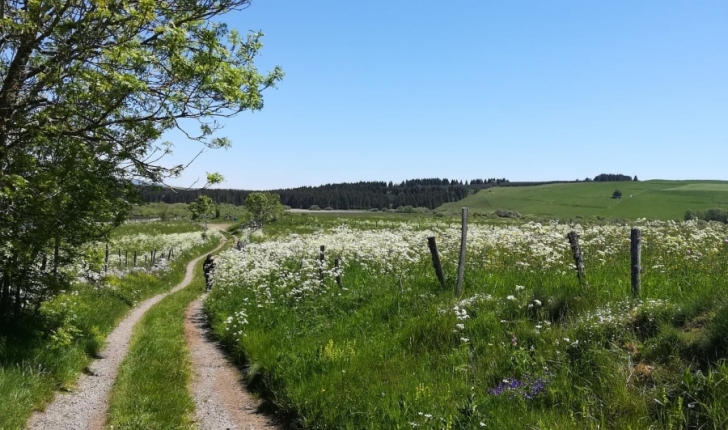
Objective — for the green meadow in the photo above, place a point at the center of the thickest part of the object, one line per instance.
(664, 200)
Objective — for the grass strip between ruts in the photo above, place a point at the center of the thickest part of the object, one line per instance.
(151, 389)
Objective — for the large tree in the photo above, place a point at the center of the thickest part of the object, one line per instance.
(264, 207)
(87, 88)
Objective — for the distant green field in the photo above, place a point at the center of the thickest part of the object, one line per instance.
(649, 199)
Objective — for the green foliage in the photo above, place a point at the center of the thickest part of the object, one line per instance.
(412, 210)
(617, 194)
(264, 207)
(180, 211)
(88, 89)
(154, 228)
(214, 179)
(202, 209)
(507, 213)
(720, 215)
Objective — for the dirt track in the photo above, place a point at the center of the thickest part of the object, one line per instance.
(86, 407)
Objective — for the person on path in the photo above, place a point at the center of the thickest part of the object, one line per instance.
(208, 267)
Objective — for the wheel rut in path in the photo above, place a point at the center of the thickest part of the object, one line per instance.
(221, 402)
(86, 407)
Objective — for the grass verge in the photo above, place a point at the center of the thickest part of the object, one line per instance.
(151, 389)
(47, 351)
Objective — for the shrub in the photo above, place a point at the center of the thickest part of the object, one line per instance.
(374, 210)
(314, 208)
(720, 215)
(617, 194)
(328, 208)
(412, 210)
(508, 213)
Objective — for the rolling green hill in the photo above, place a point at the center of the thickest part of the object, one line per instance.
(649, 199)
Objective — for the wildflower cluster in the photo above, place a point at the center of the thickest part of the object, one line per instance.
(526, 388)
(167, 246)
(235, 324)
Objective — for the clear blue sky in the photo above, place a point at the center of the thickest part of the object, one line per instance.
(527, 90)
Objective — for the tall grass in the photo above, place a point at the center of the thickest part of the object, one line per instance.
(47, 351)
(155, 228)
(525, 347)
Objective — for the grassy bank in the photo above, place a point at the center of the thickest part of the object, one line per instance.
(151, 389)
(47, 351)
(649, 199)
(526, 346)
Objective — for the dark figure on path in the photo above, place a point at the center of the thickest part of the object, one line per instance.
(208, 267)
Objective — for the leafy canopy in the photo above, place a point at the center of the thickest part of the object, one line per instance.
(87, 89)
(202, 209)
(263, 207)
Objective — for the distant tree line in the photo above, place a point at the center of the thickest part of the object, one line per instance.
(429, 193)
(612, 177)
(425, 193)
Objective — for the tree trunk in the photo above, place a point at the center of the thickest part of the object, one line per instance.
(56, 252)
(5, 299)
(18, 303)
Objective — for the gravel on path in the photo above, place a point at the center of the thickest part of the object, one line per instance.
(221, 402)
(86, 407)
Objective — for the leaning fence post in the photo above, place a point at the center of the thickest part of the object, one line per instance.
(321, 262)
(578, 258)
(461, 262)
(432, 244)
(636, 253)
(169, 254)
(338, 273)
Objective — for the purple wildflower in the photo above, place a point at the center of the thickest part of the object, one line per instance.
(528, 388)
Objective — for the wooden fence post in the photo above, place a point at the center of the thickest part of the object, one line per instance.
(106, 258)
(636, 253)
(126, 258)
(321, 262)
(338, 274)
(169, 254)
(461, 262)
(578, 258)
(432, 244)
(135, 255)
